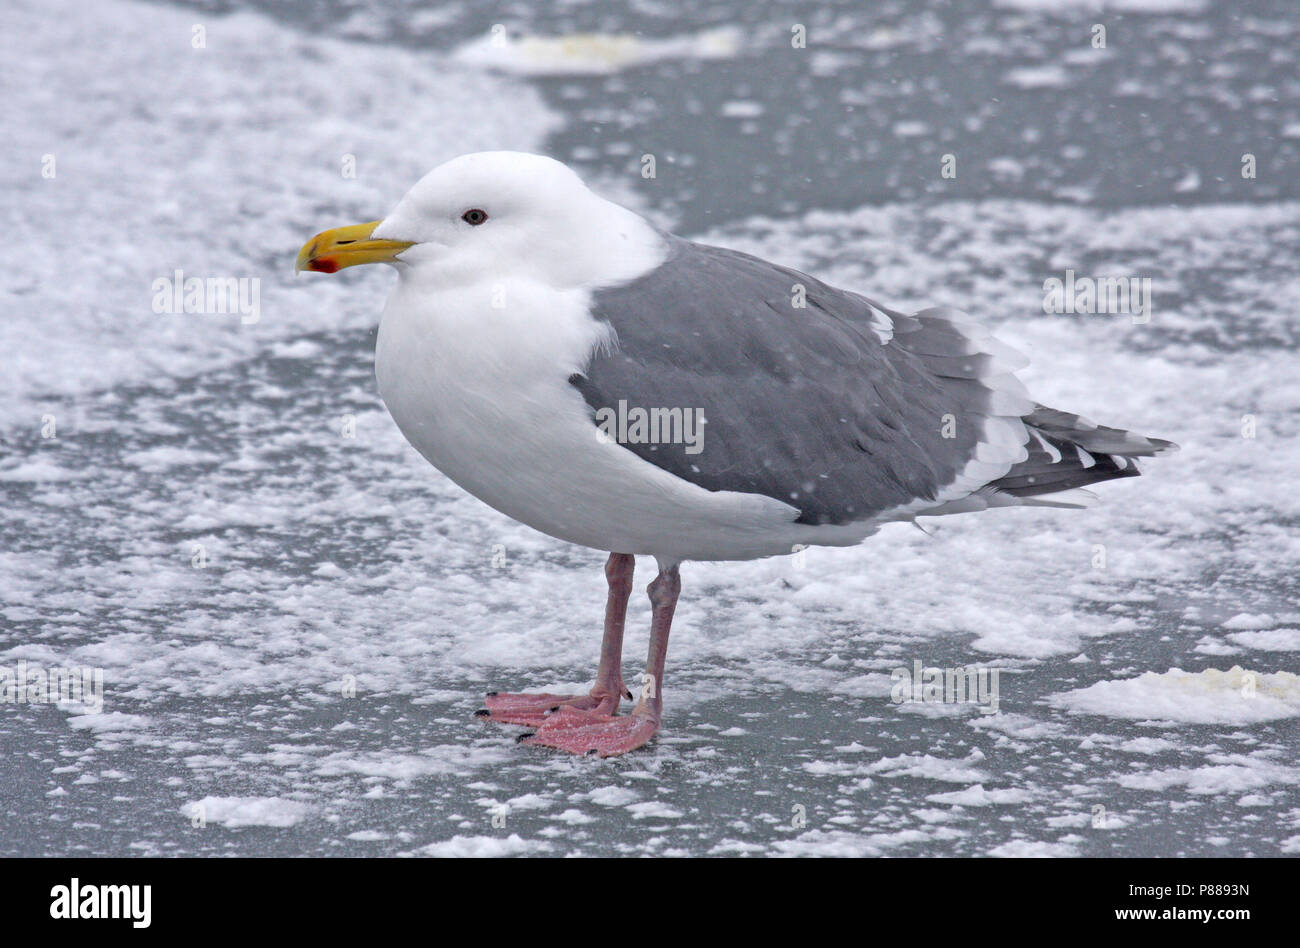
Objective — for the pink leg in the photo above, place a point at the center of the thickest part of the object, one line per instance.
(595, 732)
(534, 709)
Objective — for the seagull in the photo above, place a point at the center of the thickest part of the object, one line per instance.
(618, 387)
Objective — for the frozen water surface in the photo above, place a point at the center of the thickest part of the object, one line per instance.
(296, 617)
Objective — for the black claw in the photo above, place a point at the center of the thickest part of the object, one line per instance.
(523, 737)
(556, 708)
(493, 694)
(628, 696)
(482, 713)
(594, 750)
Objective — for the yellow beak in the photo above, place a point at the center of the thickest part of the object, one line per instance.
(332, 250)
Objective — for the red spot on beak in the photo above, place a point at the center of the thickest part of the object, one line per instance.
(325, 265)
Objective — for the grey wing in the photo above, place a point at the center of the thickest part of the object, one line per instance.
(839, 407)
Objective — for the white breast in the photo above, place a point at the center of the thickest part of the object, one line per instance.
(482, 391)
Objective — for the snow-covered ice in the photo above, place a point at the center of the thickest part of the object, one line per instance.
(296, 617)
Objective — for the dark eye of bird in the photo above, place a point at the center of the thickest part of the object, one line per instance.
(474, 216)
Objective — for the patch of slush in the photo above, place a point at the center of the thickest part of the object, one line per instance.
(1269, 640)
(110, 723)
(977, 795)
(482, 847)
(1226, 774)
(234, 812)
(932, 768)
(1033, 849)
(1235, 696)
(587, 54)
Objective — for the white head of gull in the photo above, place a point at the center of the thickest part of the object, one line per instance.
(617, 387)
